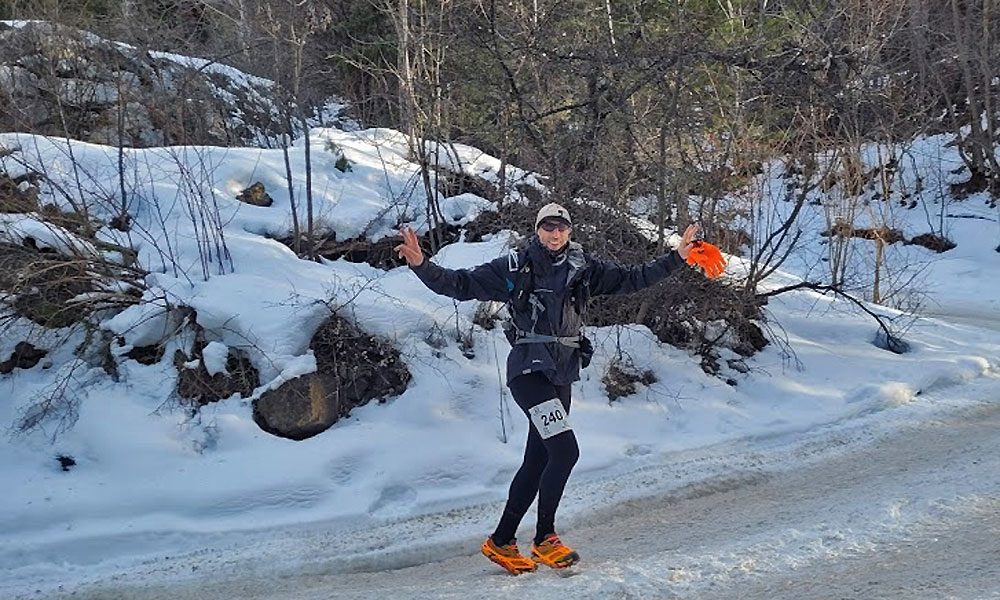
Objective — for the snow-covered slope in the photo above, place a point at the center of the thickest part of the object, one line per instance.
(918, 176)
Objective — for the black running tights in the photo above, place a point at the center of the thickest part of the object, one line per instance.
(546, 466)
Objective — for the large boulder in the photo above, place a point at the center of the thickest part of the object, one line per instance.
(302, 407)
(353, 368)
(55, 80)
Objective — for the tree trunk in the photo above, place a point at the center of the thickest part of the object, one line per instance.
(975, 138)
(879, 255)
(296, 229)
(310, 223)
(662, 201)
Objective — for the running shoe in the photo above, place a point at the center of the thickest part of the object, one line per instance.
(552, 552)
(508, 557)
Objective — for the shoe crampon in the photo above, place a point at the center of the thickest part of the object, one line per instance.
(508, 557)
(553, 553)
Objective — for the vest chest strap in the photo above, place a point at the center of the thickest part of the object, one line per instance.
(573, 341)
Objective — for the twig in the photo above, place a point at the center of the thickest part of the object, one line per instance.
(824, 288)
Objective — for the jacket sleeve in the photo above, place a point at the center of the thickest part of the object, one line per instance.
(611, 278)
(488, 281)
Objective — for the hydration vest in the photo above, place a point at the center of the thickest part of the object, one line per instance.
(521, 299)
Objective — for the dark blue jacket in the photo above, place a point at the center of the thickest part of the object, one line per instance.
(552, 311)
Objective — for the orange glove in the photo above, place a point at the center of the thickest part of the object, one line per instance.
(708, 257)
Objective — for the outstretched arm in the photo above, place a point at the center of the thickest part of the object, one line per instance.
(611, 278)
(485, 282)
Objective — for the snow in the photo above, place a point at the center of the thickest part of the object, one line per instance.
(19, 24)
(18, 229)
(961, 280)
(214, 356)
(152, 480)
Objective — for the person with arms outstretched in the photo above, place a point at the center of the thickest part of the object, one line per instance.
(546, 286)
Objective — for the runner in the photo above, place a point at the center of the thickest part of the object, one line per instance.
(547, 286)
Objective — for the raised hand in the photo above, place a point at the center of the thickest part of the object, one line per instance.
(410, 250)
(687, 241)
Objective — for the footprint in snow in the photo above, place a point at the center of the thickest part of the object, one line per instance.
(394, 499)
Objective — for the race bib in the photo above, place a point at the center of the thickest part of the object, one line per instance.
(550, 418)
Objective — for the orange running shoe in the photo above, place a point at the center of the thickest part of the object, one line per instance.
(554, 553)
(508, 557)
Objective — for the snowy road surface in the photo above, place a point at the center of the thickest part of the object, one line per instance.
(982, 317)
(877, 508)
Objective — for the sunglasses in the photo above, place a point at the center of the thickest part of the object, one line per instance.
(551, 226)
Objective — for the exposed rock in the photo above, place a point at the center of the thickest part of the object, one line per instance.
(137, 128)
(25, 356)
(256, 195)
(301, 408)
(15, 77)
(82, 93)
(353, 368)
(60, 81)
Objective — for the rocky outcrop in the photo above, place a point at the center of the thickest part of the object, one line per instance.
(353, 368)
(59, 81)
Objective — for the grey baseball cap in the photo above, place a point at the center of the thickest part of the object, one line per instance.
(552, 210)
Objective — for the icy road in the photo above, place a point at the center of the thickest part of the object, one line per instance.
(885, 506)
